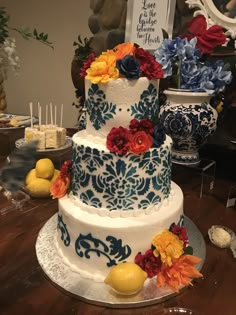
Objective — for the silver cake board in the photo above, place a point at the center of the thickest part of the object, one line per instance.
(99, 293)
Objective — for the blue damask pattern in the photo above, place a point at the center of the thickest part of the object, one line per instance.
(111, 248)
(106, 180)
(98, 109)
(148, 106)
(65, 236)
(89, 199)
(151, 199)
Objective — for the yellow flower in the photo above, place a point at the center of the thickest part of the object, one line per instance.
(103, 68)
(168, 246)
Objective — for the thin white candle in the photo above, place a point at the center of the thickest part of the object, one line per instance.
(61, 115)
(38, 108)
(46, 122)
(51, 113)
(55, 113)
(40, 116)
(31, 114)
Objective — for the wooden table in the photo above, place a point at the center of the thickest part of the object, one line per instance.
(24, 288)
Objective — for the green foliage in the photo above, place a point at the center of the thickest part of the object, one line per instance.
(25, 32)
(83, 49)
(3, 25)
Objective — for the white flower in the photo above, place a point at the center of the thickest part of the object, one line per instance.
(9, 59)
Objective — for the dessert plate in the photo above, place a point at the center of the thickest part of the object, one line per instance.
(20, 142)
(99, 293)
(22, 121)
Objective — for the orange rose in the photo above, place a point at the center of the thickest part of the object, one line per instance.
(140, 142)
(123, 50)
(59, 187)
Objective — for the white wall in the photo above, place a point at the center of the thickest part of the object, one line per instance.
(45, 73)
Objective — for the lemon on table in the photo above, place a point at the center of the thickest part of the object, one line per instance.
(55, 175)
(126, 278)
(30, 176)
(39, 187)
(44, 168)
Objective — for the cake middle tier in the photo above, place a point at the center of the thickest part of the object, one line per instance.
(105, 180)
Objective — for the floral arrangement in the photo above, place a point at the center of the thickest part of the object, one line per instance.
(138, 138)
(9, 59)
(186, 58)
(61, 184)
(170, 259)
(126, 60)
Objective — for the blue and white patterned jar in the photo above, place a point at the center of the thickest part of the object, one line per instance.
(189, 119)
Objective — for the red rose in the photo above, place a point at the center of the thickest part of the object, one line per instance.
(207, 39)
(148, 65)
(86, 65)
(152, 70)
(149, 263)
(181, 232)
(118, 140)
(143, 56)
(144, 124)
(140, 142)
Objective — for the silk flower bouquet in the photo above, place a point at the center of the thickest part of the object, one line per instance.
(186, 58)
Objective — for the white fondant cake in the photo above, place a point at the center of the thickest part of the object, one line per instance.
(117, 203)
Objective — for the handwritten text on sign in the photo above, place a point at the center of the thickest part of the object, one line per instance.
(147, 24)
(146, 19)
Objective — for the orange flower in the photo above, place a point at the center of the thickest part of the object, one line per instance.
(168, 245)
(180, 273)
(140, 142)
(103, 68)
(59, 187)
(123, 50)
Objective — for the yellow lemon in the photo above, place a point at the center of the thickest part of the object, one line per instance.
(30, 176)
(126, 278)
(44, 168)
(39, 187)
(55, 175)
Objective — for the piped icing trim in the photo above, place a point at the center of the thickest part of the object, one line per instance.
(103, 212)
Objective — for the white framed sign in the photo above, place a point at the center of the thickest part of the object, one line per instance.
(146, 19)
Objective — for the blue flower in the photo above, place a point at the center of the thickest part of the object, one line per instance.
(129, 67)
(181, 58)
(159, 136)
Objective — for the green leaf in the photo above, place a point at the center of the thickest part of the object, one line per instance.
(164, 34)
(188, 251)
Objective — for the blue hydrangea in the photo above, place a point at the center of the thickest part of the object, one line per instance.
(181, 56)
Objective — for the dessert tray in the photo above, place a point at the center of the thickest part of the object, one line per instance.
(20, 121)
(96, 292)
(20, 142)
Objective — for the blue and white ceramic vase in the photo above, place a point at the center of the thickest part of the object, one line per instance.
(189, 119)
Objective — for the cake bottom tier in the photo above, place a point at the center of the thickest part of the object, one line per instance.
(91, 244)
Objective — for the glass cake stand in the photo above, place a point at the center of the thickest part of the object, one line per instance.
(99, 293)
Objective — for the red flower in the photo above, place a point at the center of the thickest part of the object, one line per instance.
(148, 65)
(144, 124)
(118, 140)
(181, 232)
(149, 263)
(59, 187)
(207, 39)
(61, 184)
(86, 65)
(140, 142)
